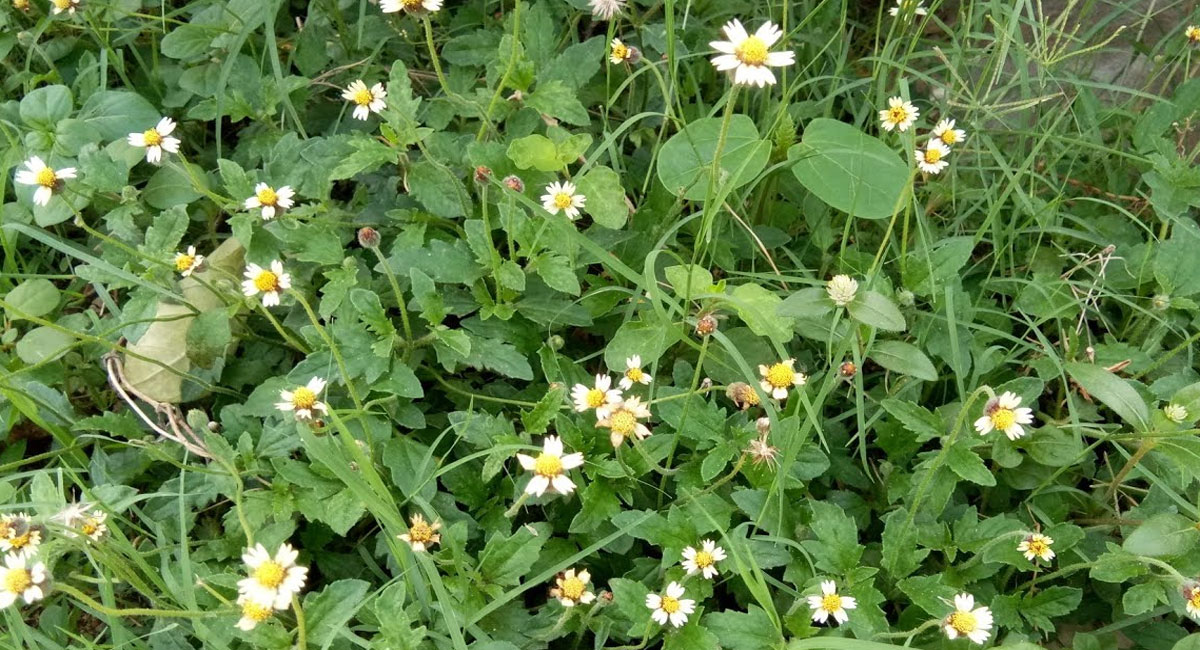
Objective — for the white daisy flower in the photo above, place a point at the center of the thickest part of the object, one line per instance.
(900, 114)
(48, 180)
(949, 135)
(421, 534)
(272, 201)
(272, 579)
(749, 55)
(918, 9)
(619, 52)
(254, 611)
(606, 9)
(1037, 545)
(1006, 414)
(550, 468)
(622, 421)
(19, 535)
(634, 373)
(671, 606)
(842, 289)
(975, 623)
(186, 263)
(59, 6)
(366, 100)
(570, 588)
(93, 526)
(18, 581)
(268, 282)
(830, 603)
(933, 159)
(703, 561)
(303, 400)
(601, 397)
(410, 6)
(1176, 413)
(1191, 597)
(780, 378)
(562, 196)
(1192, 33)
(156, 140)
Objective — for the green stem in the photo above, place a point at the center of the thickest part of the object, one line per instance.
(714, 177)
(137, 611)
(387, 271)
(283, 332)
(333, 348)
(301, 630)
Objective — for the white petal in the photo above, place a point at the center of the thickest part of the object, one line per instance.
(562, 484)
(41, 196)
(527, 462)
(571, 461)
(537, 485)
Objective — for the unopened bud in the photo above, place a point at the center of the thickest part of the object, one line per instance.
(847, 370)
(482, 174)
(368, 237)
(706, 325)
(514, 183)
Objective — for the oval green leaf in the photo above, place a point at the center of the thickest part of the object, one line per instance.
(850, 170)
(684, 162)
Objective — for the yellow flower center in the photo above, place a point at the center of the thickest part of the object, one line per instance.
(752, 51)
(412, 5)
(634, 374)
(572, 588)
(932, 155)
(831, 602)
(780, 376)
(1194, 33)
(704, 559)
(46, 177)
(267, 196)
(269, 574)
(363, 96)
(266, 281)
(897, 114)
(89, 527)
(596, 398)
(152, 138)
(750, 397)
(420, 532)
(1037, 546)
(183, 261)
(16, 581)
(949, 136)
(623, 422)
(303, 398)
(1003, 418)
(620, 51)
(548, 465)
(5, 529)
(962, 622)
(21, 541)
(1194, 599)
(255, 611)
(21, 4)
(669, 604)
(562, 200)
(63, 4)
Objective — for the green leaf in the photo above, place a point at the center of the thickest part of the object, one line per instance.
(1163, 535)
(876, 310)
(33, 298)
(328, 612)
(1049, 603)
(43, 343)
(689, 279)
(164, 234)
(577, 64)
(556, 99)
(850, 170)
(1114, 392)
(368, 155)
(905, 359)
(536, 151)
(750, 630)
(536, 420)
(1117, 566)
(968, 465)
(170, 186)
(759, 309)
(806, 303)
(440, 191)
(1143, 597)
(930, 269)
(605, 197)
(836, 548)
(685, 161)
(117, 113)
(558, 273)
(42, 108)
(692, 637)
(648, 339)
(186, 41)
(208, 337)
(917, 419)
(901, 555)
(506, 558)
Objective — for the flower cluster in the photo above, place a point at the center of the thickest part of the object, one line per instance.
(270, 584)
(25, 578)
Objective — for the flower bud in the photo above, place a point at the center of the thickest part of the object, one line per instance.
(368, 237)
(482, 174)
(514, 183)
(706, 325)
